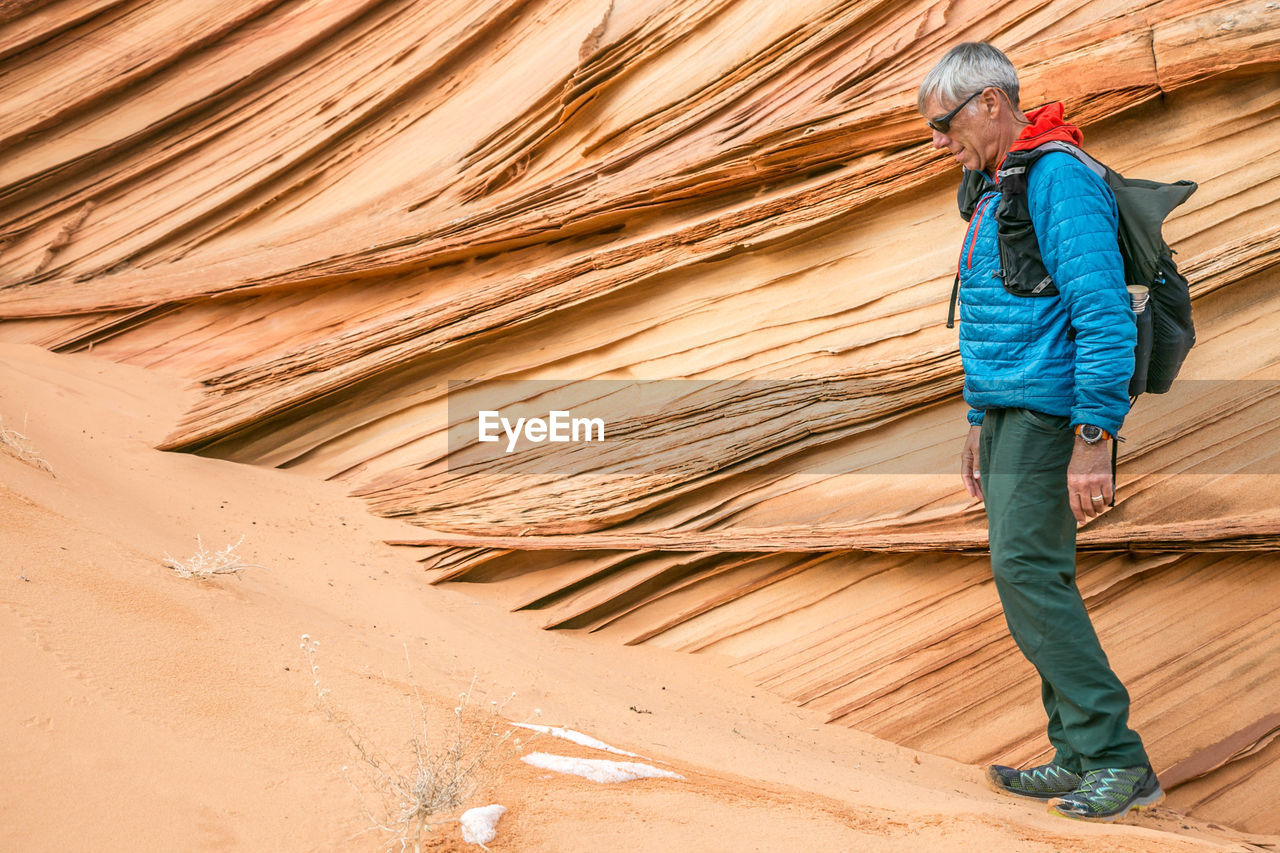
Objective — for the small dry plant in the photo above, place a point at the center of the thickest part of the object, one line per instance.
(402, 797)
(17, 444)
(205, 564)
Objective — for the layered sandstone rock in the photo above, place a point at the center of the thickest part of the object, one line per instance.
(339, 218)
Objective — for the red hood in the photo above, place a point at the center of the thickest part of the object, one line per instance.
(1046, 125)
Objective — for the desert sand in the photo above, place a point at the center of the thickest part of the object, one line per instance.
(148, 711)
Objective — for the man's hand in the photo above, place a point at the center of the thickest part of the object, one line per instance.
(1089, 479)
(969, 463)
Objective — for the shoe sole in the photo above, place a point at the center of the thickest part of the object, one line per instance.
(993, 782)
(1149, 801)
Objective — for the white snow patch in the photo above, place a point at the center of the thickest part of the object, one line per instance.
(576, 737)
(480, 825)
(598, 769)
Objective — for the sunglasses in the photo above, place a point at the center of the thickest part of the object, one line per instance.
(943, 123)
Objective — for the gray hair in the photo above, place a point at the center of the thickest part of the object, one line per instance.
(967, 68)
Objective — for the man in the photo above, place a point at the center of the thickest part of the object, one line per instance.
(1047, 382)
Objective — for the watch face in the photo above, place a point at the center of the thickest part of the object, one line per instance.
(1090, 433)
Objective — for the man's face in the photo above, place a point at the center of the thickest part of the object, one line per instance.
(971, 136)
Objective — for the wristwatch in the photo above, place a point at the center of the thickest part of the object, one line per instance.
(1091, 434)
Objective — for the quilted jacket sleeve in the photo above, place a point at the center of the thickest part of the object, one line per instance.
(1075, 219)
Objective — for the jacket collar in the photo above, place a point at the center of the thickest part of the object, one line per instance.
(1047, 125)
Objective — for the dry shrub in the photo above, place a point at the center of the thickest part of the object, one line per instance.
(17, 444)
(205, 564)
(404, 794)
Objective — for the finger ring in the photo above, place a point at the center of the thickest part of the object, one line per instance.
(1097, 498)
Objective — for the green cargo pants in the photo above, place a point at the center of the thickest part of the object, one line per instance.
(1023, 458)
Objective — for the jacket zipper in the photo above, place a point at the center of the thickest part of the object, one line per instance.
(973, 231)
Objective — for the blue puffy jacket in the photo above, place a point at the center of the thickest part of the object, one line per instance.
(1017, 351)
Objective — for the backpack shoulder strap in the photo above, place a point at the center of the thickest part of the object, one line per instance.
(972, 185)
(1017, 164)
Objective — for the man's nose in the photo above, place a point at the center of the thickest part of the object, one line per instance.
(941, 140)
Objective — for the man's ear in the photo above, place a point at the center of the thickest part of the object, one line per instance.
(991, 101)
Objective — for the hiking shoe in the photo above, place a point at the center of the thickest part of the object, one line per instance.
(1107, 794)
(1043, 783)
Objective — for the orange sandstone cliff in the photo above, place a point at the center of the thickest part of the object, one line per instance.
(339, 218)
